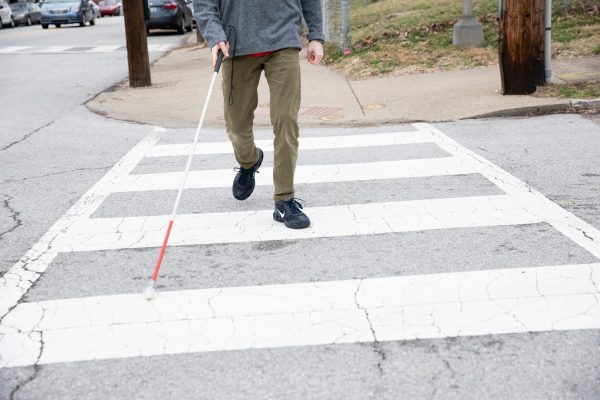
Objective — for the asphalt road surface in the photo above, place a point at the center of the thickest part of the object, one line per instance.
(45, 78)
(449, 261)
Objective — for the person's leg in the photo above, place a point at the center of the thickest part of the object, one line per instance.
(239, 106)
(282, 70)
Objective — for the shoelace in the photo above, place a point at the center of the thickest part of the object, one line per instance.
(246, 173)
(293, 206)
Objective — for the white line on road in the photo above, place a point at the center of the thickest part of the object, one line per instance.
(574, 309)
(579, 231)
(12, 49)
(17, 281)
(305, 174)
(331, 221)
(104, 49)
(378, 309)
(77, 49)
(306, 143)
(52, 49)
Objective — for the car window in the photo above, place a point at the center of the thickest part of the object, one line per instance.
(58, 1)
(19, 7)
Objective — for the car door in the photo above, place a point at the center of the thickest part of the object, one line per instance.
(4, 13)
(34, 13)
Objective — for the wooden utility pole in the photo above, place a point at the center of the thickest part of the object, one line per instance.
(521, 46)
(137, 43)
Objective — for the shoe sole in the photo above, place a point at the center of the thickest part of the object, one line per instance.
(258, 164)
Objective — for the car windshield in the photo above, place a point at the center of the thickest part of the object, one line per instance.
(107, 3)
(59, 1)
(19, 7)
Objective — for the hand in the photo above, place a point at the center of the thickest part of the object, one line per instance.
(314, 53)
(224, 47)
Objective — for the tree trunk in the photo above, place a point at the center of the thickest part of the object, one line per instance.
(137, 43)
(521, 46)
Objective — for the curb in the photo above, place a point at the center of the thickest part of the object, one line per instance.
(569, 106)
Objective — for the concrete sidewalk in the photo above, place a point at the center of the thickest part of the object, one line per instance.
(181, 79)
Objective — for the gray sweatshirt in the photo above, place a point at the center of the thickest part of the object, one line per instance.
(258, 25)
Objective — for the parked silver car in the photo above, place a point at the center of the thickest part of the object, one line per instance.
(26, 13)
(6, 17)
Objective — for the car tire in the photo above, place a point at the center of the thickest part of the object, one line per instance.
(180, 27)
(82, 23)
(12, 23)
(190, 27)
(93, 21)
(57, 25)
(44, 26)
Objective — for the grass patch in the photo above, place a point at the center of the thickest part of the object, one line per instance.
(586, 90)
(405, 36)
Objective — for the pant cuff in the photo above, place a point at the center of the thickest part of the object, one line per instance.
(284, 197)
(250, 165)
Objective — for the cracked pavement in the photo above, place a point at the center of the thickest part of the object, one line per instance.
(506, 309)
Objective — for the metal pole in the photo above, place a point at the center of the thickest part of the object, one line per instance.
(345, 27)
(467, 8)
(548, 42)
(325, 12)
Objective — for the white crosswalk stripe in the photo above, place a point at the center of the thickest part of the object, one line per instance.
(104, 49)
(376, 309)
(310, 143)
(304, 174)
(399, 308)
(52, 49)
(332, 221)
(78, 49)
(13, 49)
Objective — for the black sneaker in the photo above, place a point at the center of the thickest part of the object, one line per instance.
(243, 183)
(290, 213)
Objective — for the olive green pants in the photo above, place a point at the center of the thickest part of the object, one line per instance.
(282, 70)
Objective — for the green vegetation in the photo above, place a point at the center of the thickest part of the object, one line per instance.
(589, 90)
(584, 90)
(404, 36)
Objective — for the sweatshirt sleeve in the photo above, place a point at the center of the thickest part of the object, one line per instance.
(313, 15)
(208, 18)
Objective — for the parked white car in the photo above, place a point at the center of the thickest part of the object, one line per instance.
(6, 18)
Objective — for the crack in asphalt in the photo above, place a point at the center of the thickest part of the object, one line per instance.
(36, 370)
(376, 344)
(56, 173)
(27, 136)
(14, 216)
(31, 378)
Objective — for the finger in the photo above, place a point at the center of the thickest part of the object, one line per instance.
(225, 49)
